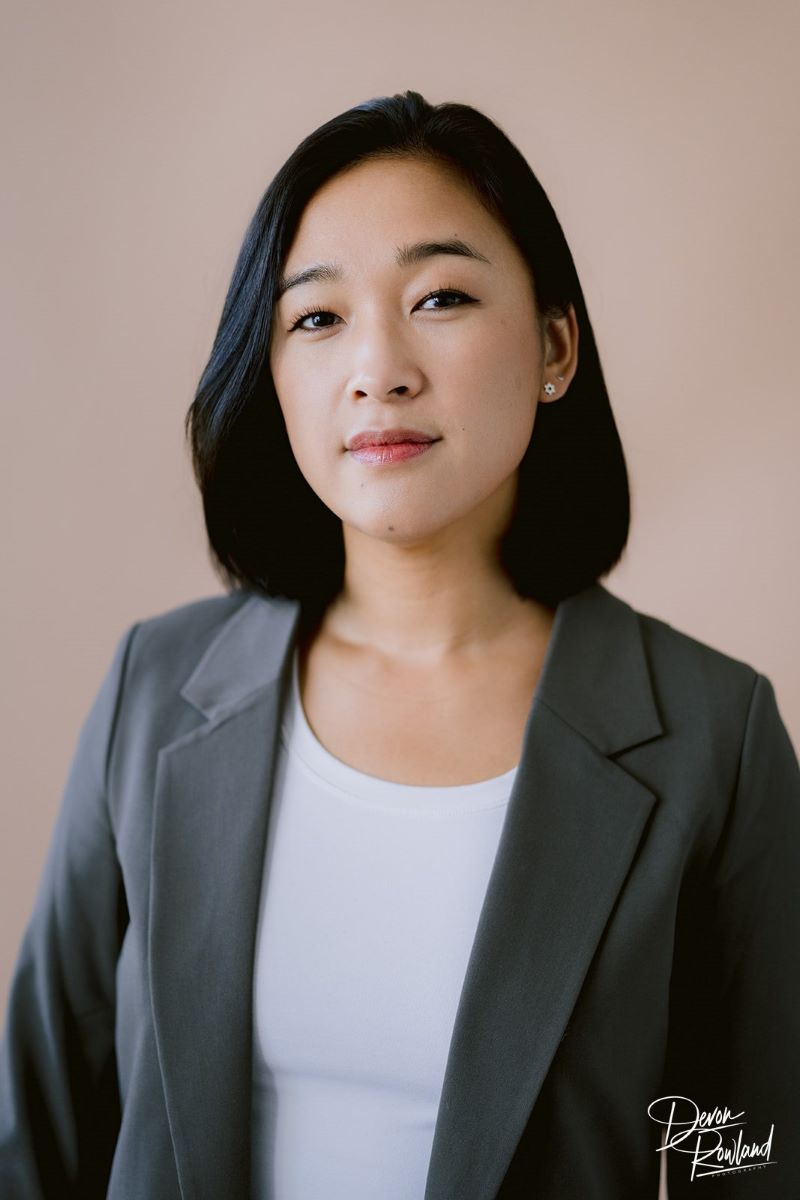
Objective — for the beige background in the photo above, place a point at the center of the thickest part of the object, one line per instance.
(138, 140)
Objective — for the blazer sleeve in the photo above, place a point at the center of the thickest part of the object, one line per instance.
(59, 1101)
(735, 992)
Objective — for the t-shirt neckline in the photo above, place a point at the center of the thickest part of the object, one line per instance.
(303, 742)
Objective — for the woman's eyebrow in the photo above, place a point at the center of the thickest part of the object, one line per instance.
(406, 256)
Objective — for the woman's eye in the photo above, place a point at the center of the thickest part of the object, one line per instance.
(304, 316)
(311, 313)
(448, 292)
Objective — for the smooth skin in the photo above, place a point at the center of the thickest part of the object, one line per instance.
(423, 669)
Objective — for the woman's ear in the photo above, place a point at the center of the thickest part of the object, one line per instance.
(561, 355)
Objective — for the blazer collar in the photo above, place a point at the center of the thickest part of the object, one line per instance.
(594, 669)
(573, 825)
(247, 654)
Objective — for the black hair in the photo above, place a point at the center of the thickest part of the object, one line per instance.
(268, 530)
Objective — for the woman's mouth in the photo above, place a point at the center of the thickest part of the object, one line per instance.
(390, 452)
(384, 446)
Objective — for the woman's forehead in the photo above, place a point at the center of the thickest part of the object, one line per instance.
(391, 208)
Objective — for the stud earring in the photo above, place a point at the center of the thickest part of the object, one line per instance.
(549, 388)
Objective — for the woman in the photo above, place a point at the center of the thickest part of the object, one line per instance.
(418, 864)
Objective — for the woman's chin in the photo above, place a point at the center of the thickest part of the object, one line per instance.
(398, 528)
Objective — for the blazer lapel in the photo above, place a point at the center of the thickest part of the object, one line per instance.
(209, 836)
(574, 822)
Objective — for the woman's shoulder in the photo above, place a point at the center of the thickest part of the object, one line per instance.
(674, 656)
(200, 618)
(164, 649)
(688, 654)
(695, 683)
(721, 725)
(707, 697)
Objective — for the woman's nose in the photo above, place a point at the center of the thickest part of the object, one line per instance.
(384, 365)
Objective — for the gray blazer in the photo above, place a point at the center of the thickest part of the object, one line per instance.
(639, 936)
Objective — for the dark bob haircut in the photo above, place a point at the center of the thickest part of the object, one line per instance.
(268, 530)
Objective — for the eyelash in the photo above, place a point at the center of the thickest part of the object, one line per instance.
(308, 312)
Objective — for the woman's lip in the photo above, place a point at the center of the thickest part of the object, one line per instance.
(383, 437)
(390, 452)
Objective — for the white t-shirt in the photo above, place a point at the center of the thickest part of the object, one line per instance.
(370, 900)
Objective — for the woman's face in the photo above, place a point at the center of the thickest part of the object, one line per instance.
(465, 369)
